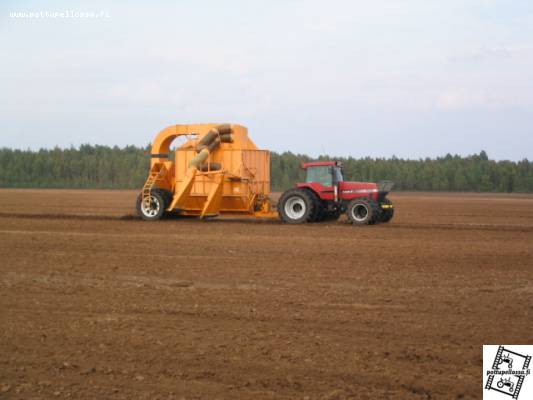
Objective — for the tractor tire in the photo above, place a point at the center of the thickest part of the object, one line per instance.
(386, 214)
(318, 208)
(297, 206)
(363, 211)
(158, 203)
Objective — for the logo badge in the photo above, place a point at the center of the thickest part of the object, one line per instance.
(506, 372)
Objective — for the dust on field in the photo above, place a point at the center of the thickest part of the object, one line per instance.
(97, 304)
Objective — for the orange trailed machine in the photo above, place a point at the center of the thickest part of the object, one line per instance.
(218, 170)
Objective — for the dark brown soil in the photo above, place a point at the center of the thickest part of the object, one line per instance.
(96, 304)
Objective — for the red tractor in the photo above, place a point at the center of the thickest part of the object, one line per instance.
(325, 196)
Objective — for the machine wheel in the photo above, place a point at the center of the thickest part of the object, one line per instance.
(386, 214)
(318, 208)
(297, 206)
(167, 194)
(363, 211)
(499, 384)
(153, 208)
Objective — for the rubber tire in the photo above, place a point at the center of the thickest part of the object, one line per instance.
(310, 203)
(372, 207)
(386, 214)
(160, 197)
(167, 194)
(318, 208)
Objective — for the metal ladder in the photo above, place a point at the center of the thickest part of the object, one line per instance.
(158, 171)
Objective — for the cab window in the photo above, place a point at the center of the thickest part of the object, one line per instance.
(321, 175)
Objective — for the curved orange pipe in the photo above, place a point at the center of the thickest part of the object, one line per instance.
(162, 142)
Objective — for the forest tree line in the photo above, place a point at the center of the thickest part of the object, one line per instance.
(126, 168)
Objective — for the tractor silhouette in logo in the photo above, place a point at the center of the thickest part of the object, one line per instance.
(506, 383)
(506, 359)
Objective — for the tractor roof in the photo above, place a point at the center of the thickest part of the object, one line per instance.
(320, 164)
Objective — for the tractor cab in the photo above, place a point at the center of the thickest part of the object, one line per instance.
(324, 175)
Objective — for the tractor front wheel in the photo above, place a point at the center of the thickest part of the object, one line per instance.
(297, 206)
(363, 211)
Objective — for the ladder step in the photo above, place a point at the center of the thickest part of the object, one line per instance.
(157, 171)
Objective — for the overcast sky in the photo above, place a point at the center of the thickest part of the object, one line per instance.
(411, 78)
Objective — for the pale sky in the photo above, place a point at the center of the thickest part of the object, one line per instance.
(411, 78)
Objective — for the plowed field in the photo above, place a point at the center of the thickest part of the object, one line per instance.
(96, 304)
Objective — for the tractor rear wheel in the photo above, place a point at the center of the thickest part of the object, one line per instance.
(363, 211)
(318, 208)
(152, 207)
(297, 206)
